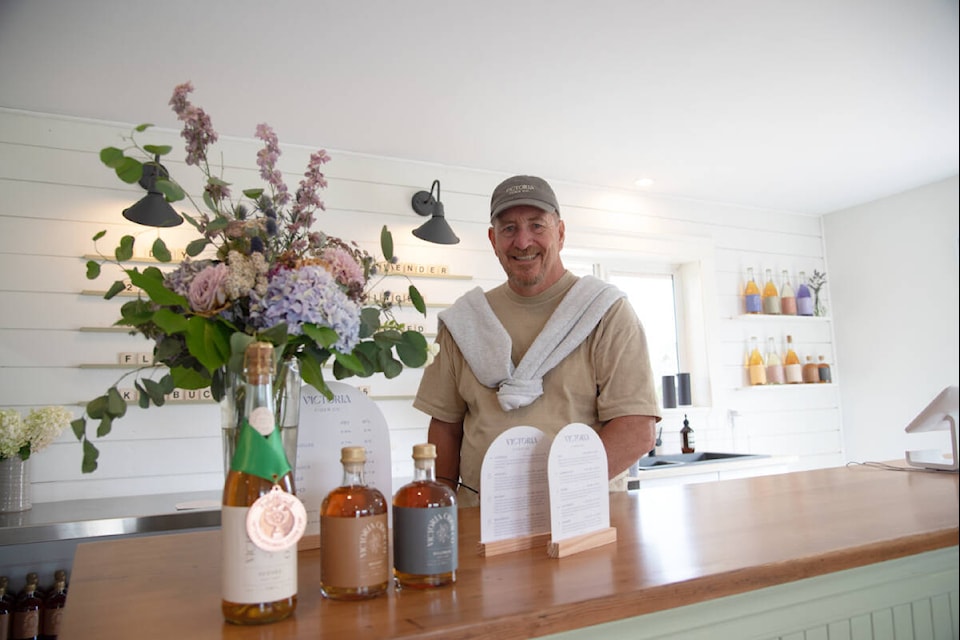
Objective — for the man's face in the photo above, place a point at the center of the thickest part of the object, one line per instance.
(527, 242)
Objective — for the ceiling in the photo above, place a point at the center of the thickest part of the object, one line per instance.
(807, 106)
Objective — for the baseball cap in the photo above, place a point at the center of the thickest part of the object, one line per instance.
(528, 190)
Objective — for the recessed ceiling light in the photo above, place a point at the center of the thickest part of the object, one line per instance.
(644, 183)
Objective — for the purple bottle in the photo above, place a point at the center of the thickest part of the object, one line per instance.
(804, 297)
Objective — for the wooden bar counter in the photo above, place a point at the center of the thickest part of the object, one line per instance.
(676, 546)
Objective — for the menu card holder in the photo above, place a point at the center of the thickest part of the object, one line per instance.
(350, 418)
(514, 501)
(579, 492)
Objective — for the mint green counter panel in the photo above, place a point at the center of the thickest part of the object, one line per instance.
(912, 598)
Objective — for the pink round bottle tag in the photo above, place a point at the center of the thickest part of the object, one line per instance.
(277, 520)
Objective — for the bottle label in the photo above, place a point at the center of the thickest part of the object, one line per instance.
(771, 305)
(5, 622)
(250, 574)
(26, 624)
(353, 551)
(425, 540)
(788, 306)
(804, 306)
(51, 621)
(758, 374)
(260, 456)
(277, 520)
(794, 373)
(753, 303)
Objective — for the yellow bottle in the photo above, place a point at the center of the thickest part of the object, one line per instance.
(751, 294)
(792, 368)
(755, 364)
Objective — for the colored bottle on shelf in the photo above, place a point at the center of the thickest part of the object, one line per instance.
(424, 527)
(774, 366)
(788, 297)
(810, 371)
(751, 294)
(26, 611)
(792, 369)
(53, 606)
(823, 369)
(771, 297)
(354, 563)
(686, 437)
(6, 609)
(756, 367)
(804, 297)
(259, 566)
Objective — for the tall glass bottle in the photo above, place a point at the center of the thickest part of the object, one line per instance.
(774, 366)
(354, 562)
(53, 606)
(751, 294)
(687, 444)
(804, 297)
(261, 519)
(792, 369)
(771, 297)
(755, 365)
(424, 526)
(788, 297)
(26, 612)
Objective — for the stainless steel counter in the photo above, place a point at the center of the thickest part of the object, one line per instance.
(94, 518)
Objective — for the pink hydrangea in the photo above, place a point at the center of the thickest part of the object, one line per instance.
(344, 268)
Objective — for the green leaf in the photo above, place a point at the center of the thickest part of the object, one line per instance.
(143, 398)
(387, 338)
(160, 251)
(417, 300)
(369, 321)
(386, 243)
(208, 200)
(208, 341)
(311, 369)
(124, 250)
(391, 367)
(349, 361)
(90, 455)
(99, 234)
(97, 407)
(151, 282)
(135, 313)
(171, 191)
(253, 194)
(79, 427)
(154, 391)
(323, 336)
(116, 407)
(117, 287)
(129, 170)
(413, 349)
(157, 149)
(140, 128)
(169, 321)
(196, 247)
(184, 378)
(106, 424)
(111, 156)
(93, 269)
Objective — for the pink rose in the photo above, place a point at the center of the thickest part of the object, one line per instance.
(207, 290)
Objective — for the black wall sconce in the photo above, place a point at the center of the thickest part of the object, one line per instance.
(436, 228)
(153, 210)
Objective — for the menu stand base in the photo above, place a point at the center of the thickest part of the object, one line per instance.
(583, 542)
(513, 544)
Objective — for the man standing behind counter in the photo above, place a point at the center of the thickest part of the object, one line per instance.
(544, 349)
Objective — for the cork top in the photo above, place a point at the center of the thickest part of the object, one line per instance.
(427, 451)
(258, 362)
(353, 454)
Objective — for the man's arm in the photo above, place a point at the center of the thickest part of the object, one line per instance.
(626, 439)
(447, 437)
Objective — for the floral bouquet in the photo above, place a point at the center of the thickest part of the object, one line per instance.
(24, 436)
(258, 270)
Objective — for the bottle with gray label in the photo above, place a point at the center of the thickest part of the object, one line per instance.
(424, 527)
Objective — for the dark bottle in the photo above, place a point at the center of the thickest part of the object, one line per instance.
(26, 612)
(53, 606)
(424, 526)
(686, 437)
(6, 609)
(823, 369)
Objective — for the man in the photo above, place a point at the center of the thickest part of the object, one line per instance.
(544, 349)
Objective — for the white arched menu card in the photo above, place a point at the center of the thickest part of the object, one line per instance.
(579, 492)
(514, 500)
(349, 419)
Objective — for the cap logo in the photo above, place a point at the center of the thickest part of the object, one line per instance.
(519, 188)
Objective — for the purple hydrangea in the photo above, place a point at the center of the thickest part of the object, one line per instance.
(308, 295)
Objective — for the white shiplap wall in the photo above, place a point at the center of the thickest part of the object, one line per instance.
(57, 195)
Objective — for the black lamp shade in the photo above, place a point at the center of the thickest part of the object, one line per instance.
(153, 210)
(435, 229)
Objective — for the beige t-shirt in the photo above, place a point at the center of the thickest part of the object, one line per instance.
(607, 376)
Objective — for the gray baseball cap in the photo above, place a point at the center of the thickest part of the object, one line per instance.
(518, 190)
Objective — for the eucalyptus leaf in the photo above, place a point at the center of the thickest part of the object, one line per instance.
(157, 149)
(93, 269)
(90, 455)
(386, 243)
(129, 170)
(135, 313)
(253, 194)
(140, 128)
(116, 407)
(99, 234)
(171, 191)
(143, 398)
(106, 424)
(413, 349)
(97, 407)
(196, 247)
(79, 427)
(159, 250)
(349, 361)
(115, 289)
(154, 391)
(111, 156)
(417, 300)
(124, 250)
(323, 336)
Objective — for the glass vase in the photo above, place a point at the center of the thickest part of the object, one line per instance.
(819, 309)
(286, 395)
(15, 488)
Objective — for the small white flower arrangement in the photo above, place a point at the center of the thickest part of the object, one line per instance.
(23, 436)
